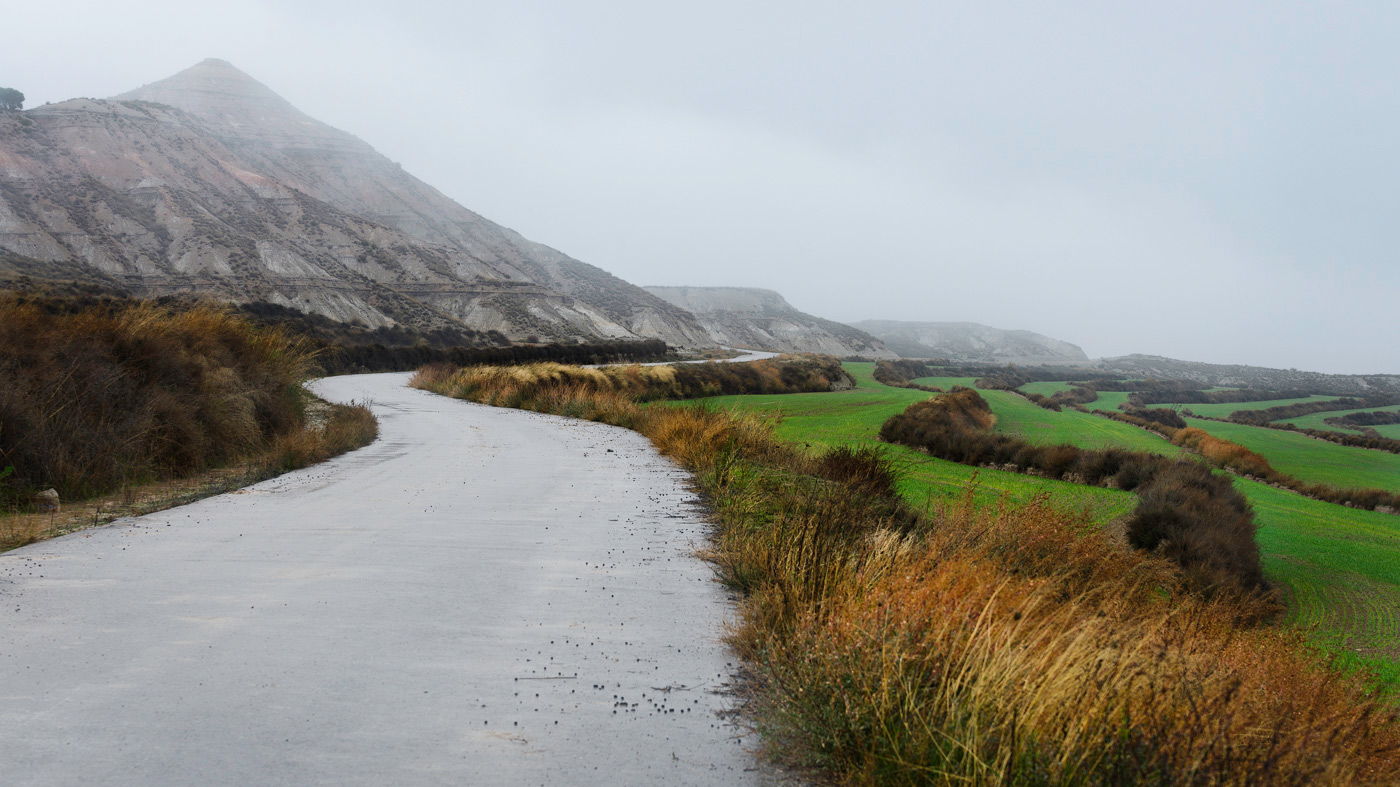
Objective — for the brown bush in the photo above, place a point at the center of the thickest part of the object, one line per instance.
(123, 391)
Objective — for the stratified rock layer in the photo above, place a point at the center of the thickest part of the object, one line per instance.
(209, 182)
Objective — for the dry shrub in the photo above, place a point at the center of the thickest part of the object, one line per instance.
(1223, 453)
(345, 428)
(99, 395)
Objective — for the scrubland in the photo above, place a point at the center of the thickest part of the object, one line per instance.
(973, 640)
(105, 395)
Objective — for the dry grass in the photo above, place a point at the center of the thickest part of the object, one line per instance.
(1005, 644)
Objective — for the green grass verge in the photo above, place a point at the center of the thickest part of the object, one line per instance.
(1311, 459)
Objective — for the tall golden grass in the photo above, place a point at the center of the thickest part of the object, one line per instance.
(519, 386)
(1008, 644)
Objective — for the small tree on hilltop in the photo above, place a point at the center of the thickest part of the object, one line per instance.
(11, 98)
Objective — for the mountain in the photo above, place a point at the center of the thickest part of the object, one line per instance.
(1241, 376)
(969, 342)
(762, 319)
(209, 182)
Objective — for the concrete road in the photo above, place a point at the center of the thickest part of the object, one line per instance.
(483, 596)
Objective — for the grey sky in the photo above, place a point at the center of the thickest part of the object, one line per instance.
(1208, 181)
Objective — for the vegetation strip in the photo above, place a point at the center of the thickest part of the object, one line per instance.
(1005, 643)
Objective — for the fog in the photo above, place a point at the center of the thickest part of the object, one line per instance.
(1208, 181)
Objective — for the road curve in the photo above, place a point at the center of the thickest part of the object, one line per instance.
(482, 596)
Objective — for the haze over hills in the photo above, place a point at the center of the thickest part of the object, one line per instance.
(209, 182)
(763, 319)
(1243, 376)
(970, 342)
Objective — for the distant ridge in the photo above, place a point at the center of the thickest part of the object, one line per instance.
(970, 342)
(1243, 376)
(209, 182)
(764, 320)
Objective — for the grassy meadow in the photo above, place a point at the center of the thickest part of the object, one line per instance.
(1340, 567)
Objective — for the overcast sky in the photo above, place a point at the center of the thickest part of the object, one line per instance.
(1210, 181)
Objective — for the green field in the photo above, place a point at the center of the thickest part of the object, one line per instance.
(1340, 567)
(940, 382)
(1109, 400)
(826, 420)
(1319, 420)
(1310, 459)
(1020, 416)
(1046, 389)
(1224, 410)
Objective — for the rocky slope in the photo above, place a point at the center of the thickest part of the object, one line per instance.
(209, 182)
(762, 319)
(969, 342)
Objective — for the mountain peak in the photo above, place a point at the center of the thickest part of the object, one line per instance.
(216, 90)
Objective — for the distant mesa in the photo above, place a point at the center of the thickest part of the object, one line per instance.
(971, 343)
(762, 319)
(209, 182)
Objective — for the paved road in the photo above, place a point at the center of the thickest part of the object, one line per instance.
(483, 596)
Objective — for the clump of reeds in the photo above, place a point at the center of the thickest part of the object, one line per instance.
(1004, 644)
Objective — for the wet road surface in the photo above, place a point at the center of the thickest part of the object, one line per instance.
(482, 596)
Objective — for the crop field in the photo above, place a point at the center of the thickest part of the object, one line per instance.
(936, 382)
(1319, 421)
(826, 420)
(1047, 388)
(1020, 416)
(1311, 459)
(1224, 410)
(1109, 400)
(1339, 567)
